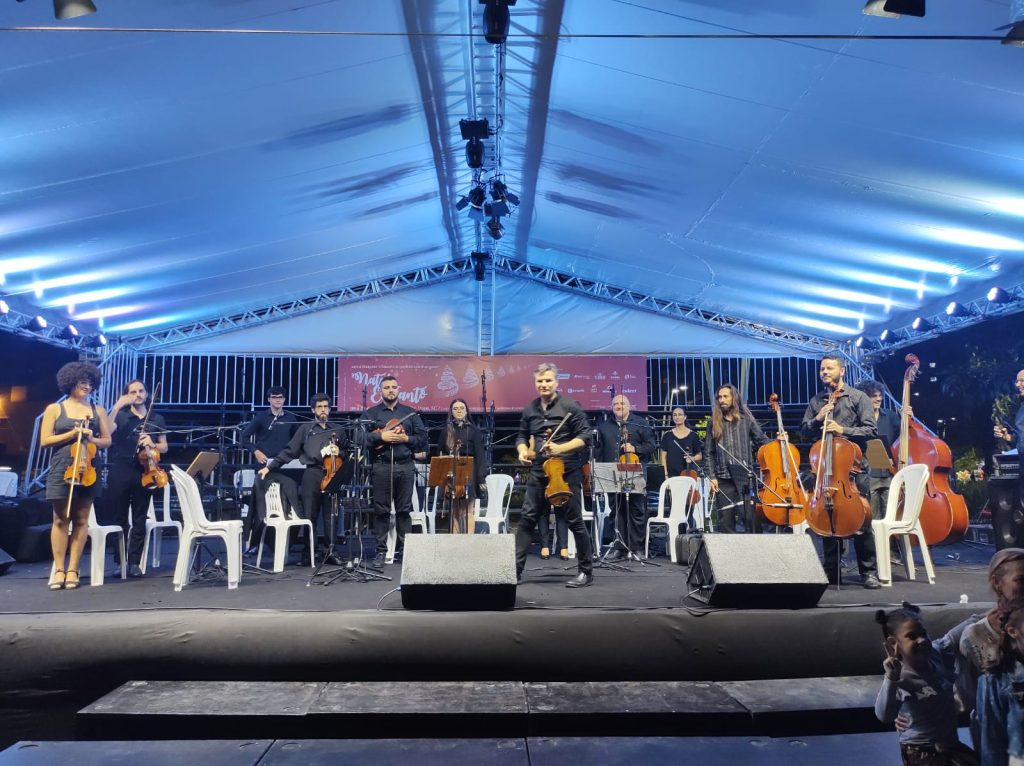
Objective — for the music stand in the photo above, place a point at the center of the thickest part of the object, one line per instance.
(615, 479)
(452, 475)
(202, 465)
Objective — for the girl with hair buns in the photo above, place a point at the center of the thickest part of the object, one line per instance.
(1001, 695)
(64, 423)
(918, 686)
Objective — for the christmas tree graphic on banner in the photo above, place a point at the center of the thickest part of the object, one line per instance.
(447, 384)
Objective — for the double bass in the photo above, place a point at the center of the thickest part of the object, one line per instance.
(836, 508)
(944, 516)
(782, 499)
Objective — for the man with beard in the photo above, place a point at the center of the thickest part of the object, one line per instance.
(395, 434)
(267, 434)
(311, 443)
(853, 418)
(729, 455)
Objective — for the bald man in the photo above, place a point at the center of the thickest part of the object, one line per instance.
(625, 432)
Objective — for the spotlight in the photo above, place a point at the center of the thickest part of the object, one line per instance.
(4, 308)
(495, 229)
(476, 199)
(999, 295)
(71, 9)
(886, 336)
(1015, 36)
(865, 343)
(504, 200)
(496, 20)
(920, 324)
(479, 265)
(893, 9)
(955, 309)
(474, 129)
(475, 153)
(69, 333)
(96, 341)
(36, 324)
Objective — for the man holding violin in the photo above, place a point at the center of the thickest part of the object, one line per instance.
(311, 443)
(553, 430)
(124, 478)
(627, 439)
(852, 417)
(396, 434)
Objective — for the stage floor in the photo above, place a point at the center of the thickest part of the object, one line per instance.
(960, 570)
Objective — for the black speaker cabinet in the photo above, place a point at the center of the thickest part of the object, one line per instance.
(757, 571)
(459, 572)
(1007, 518)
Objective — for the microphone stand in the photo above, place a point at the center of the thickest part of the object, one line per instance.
(754, 481)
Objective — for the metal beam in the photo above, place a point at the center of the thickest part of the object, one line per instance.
(374, 288)
(16, 323)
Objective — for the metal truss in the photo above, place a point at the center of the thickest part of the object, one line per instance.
(374, 288)
(17, 323)
(634, 299)
(977, 311)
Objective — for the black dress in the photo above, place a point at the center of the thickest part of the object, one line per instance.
(60, 460)
(672, 447)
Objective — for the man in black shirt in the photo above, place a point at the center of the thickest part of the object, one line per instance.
(391, 451)
(729, 454)
(853, 418)
(627, 434)
(124, 480)
(311, 443)
(564, 422)
(267, 435)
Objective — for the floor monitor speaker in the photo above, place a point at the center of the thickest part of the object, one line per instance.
(459, 572)
(757, 571)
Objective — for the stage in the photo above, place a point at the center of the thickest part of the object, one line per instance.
(63, 650)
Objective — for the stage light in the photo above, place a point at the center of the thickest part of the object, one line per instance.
(864, 343)
(4, 308)
(69, 333)
(998, 295)
(96, 341)
(471, 129)
(479, 265)
(920, 324)
(476, 199)
(496, 20)
(495, 229)
(955, 309)
(1015, 36)
(36, 324)
(504, 200)
(893, 9)
(475, 153)
(72, 9)
(885, 336)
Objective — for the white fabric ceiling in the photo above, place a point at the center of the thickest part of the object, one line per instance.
(156, 178)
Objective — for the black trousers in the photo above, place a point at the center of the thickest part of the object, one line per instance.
(734, 500)
(561, 529)
(127, 498)
(392, 481)
(535, 504)
(630, 521)
(863, 542)
(312, 497)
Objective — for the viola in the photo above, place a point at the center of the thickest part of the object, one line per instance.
(782, 499)
(944, 515)
(332, 464)
(836, 508)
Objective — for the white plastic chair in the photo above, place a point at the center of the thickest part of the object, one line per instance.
(98, 548)
(909, 481)
(282, 523)
(679, 489)
(197, 526)
(588, 521)
(499, 496)
(155, 528)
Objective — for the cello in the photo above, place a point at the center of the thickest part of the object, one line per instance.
(781, 500)
(836, 508)
(944, 516)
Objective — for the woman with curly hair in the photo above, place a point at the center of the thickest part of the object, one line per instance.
(63, 423)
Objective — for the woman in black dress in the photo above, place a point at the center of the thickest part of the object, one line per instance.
(677, 443)
(62, 424)
(459, 436)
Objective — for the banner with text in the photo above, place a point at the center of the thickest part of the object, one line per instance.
(429, 383)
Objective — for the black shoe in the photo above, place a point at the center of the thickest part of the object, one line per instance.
(334, 560)
(615, 555)
(582, 580)
(871, 582)
(378, 561)
(519, 577)
(135, 571)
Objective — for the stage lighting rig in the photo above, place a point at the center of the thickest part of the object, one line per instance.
(479, 265)
(955, 309)
(1015, 36)
(71, 9)
(69, 333)
(998, 295)
(893, 9)
(496, 20)
(95, 341)
(495, 229)
(503, 201)
(920, 324)
(4, 308)
(36, 324)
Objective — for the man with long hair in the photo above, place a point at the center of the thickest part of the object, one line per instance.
(729, 449)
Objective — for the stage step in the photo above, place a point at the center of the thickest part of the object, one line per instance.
(239, 709)
(837, 750)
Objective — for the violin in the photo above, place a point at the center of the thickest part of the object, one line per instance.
(944, 516)
(153, 476)
(81, 472)
(628, 461)
(557, 491)
(395, 426)
(332, 464)
(782, 499)
(836, 508)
